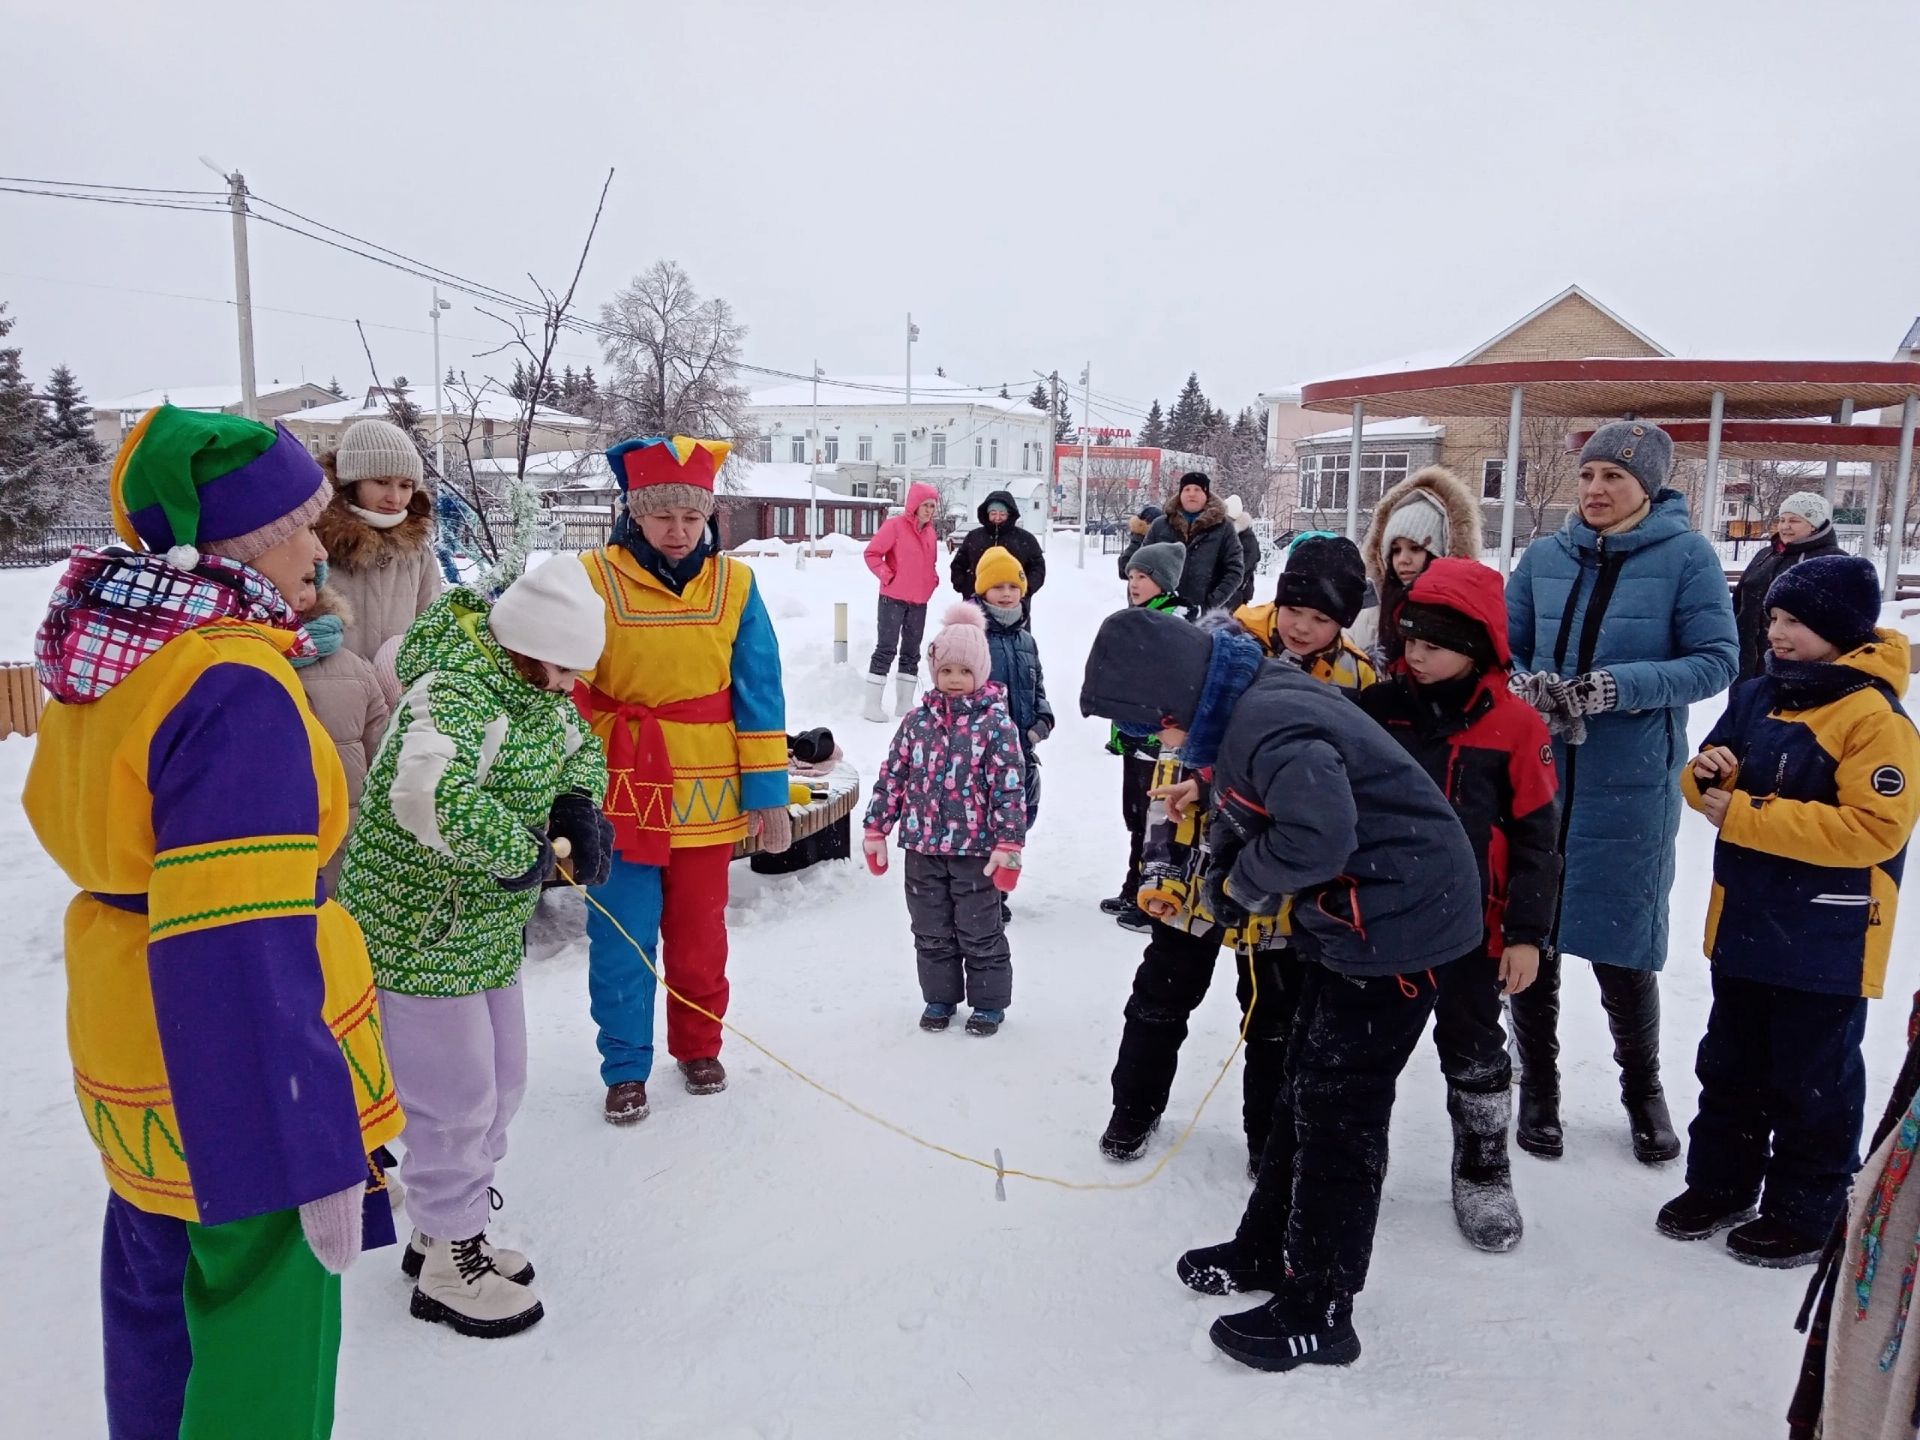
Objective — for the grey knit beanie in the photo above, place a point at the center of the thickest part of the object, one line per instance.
(377, 450)
(1420, 518)
(1643, 450)
(1163, 562)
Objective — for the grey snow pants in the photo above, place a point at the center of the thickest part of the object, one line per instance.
(959, 938)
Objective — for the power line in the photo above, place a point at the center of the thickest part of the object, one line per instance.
(203, 209)
(86, 185)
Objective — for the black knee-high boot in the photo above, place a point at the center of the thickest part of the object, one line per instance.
(1632, 1002)
(1536, 1034)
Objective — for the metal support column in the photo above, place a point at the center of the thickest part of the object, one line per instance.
(1902, 474)
(1715, 417)
(1353, 473)
(1510, 481)
(1831, 488)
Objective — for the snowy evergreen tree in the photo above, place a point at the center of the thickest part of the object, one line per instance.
(1154, 432)
(1063, 420)
(333, 387)
(1003, 393)
(68, 419)
(1041, 399)
(1187, 425)
(403, 412)
(29, 477)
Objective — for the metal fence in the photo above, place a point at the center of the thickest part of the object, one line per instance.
(54, 546)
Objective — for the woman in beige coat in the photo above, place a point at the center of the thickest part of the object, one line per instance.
(379, 534)
(345, 698)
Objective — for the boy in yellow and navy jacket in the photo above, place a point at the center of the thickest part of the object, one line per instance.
(221, 1013)
(1320, 593)
(1810, 779)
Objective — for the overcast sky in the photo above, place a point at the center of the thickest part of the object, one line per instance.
(1259, 191)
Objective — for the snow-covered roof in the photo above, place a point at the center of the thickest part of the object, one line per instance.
(191, 397)
(784, 480)
(580, 469)
(867, 391)
(1413, 427)
(489, 404)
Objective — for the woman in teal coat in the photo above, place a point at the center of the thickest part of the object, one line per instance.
(1619, 621)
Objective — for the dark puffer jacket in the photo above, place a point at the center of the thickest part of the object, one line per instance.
(1023, 545)
(1750, 595)
(1215, 564)
(1016, 665)
(1312, 802)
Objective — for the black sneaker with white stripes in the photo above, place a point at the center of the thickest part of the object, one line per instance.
(1290, 1330)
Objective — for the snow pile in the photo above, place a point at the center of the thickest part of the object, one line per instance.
(765, 1264)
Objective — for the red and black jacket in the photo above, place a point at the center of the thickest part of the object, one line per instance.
(1489, 753)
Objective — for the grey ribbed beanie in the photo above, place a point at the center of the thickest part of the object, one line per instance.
(377, 450)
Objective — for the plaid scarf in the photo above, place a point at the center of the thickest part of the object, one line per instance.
(115, 608)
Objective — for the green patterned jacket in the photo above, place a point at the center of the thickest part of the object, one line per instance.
(473, 757)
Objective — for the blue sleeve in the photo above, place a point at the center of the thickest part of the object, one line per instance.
(1520, 612)
(1706, 645)
(759, 706)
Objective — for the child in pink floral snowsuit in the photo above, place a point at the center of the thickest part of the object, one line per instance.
(954, 781)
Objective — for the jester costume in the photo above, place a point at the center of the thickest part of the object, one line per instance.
(221, 1017)
(687, 699)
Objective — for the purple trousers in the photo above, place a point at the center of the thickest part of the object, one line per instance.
(460, 1064)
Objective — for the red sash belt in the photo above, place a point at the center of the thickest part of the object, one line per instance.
(639, 769)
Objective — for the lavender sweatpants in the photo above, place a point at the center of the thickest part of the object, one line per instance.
(460, 1064)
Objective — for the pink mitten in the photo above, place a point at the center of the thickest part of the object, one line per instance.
(874, 847)
(1003, 867)
(332, 1227)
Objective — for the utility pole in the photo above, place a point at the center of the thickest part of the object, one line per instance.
(242, 284)
(1086, 438)
(813, 472)
(906, 480)
(439, 391)
(1053, 452)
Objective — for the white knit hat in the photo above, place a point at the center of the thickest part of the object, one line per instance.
(1420, 518)
(1237, 513)
(376, 450)
(1810, 507)
(553, 614)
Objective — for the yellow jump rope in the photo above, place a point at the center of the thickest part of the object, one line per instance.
(996, 1167)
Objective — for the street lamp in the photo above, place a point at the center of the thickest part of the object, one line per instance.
(439, 390)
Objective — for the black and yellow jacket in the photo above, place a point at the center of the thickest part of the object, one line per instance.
(1806, 873)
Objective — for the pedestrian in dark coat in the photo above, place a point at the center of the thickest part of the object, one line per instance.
(1488, 752)
(1804, 530)
(999, 525)
(1198, 521)
(1016, 661)
(1249, 551)
(1137, 528)
(1330, 815)
(1619, 621)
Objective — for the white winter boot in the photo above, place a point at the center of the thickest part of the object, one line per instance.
(510, 1263)
(876, 709)
(459, 1286)
(908, 693)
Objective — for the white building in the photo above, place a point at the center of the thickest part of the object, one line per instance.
(965, 441)
(113, 418)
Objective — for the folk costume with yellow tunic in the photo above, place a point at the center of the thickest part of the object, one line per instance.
(687, 698)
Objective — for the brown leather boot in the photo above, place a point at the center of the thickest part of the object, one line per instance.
(627, 1102)
(704, 1077)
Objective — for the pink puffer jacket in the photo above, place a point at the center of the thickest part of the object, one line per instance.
(903, 553)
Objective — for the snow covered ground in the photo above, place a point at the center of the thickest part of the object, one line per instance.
(765, 1264)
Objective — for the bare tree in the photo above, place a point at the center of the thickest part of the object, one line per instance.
(1549, 473)
(674, 357)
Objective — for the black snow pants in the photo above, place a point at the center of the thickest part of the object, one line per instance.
(900, 628)
(1136, 778)
(1167, 988)
(1466, 1026)
(1316, 1201)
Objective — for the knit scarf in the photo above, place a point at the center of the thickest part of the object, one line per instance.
(1802, 684)
(327, 632)
(375, 519)
(1231, 667)
(1008, 615)
(114, 609)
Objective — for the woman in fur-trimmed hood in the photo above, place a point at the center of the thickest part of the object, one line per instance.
(378, 532)
(1434, 512)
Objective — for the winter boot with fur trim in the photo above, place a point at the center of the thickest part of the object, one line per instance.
(460, 1286)
(876, 703)
(1483, 1203)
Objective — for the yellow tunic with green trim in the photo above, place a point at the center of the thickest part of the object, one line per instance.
(666, 650)
(221, 1014)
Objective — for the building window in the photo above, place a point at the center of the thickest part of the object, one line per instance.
(763, 448)
(866, 449)
(797, 449)
(1323, 478)
(979, 447)
(899, 448)
(860, 488)
(939, 458)
(833, 449)
(993, 455)
(1492, 480)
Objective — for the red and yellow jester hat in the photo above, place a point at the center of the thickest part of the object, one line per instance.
(658, 473)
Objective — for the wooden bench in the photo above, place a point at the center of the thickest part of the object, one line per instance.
(843, 794)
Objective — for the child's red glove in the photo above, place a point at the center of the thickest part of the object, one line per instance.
(874, 847)
(1003, 867)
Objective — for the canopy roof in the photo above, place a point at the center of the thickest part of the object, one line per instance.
(1657, 388)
